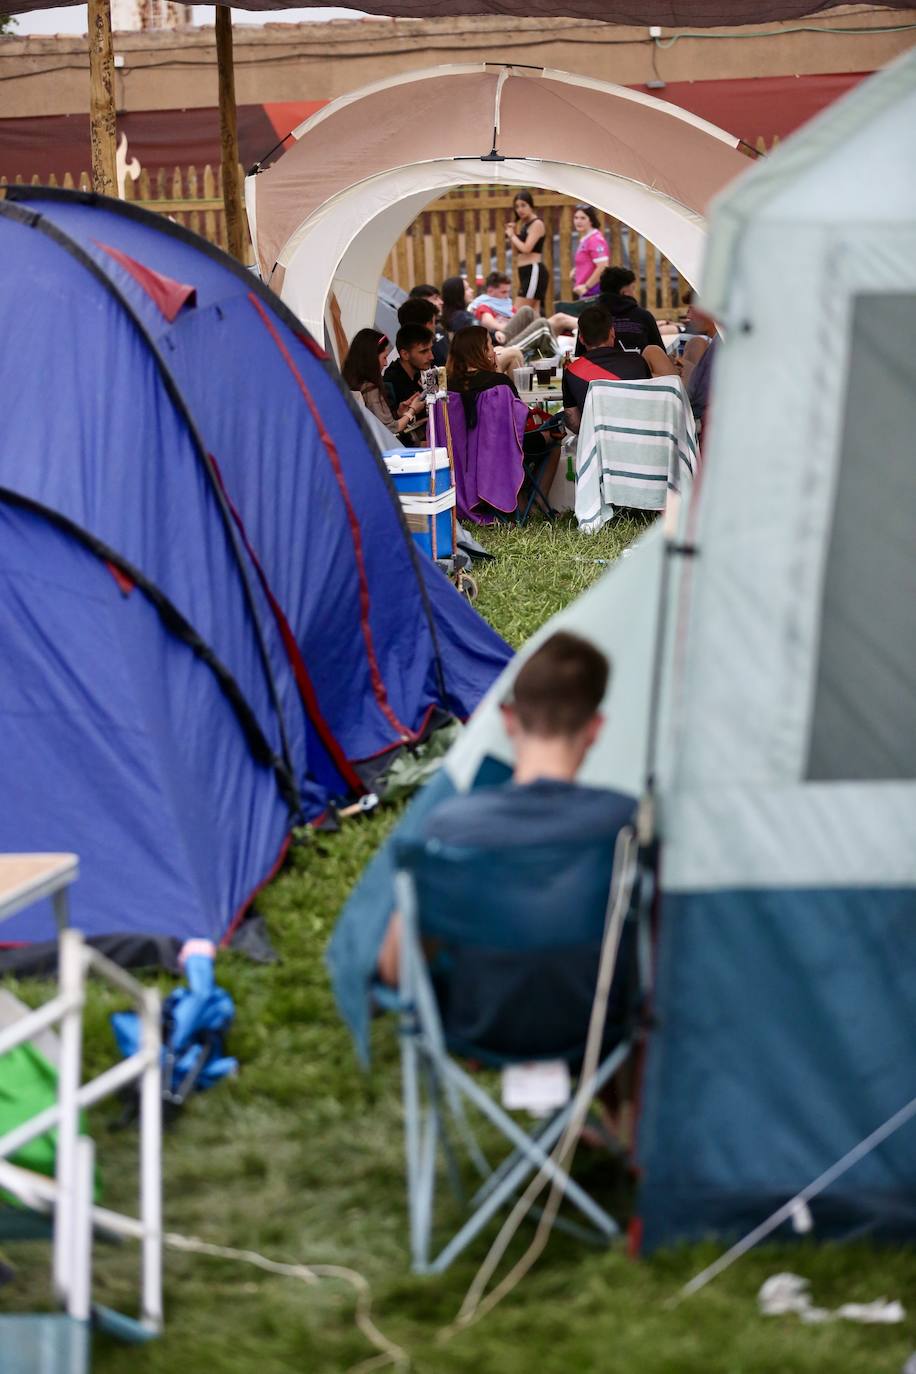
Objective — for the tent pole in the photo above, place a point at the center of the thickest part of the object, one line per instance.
(102, 118)
(229, 133)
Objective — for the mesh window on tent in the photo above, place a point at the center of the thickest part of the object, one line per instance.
(864, 716)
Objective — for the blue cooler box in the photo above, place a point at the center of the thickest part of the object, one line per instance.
(410, 469)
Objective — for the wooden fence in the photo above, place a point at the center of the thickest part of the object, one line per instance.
(194, 199)
(463, 233)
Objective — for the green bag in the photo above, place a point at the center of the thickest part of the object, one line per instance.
(28, 1085)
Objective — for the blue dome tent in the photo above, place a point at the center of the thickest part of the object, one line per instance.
(212, 611)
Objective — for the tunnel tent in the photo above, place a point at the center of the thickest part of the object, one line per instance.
(762, 676)
(324, 215)
(202, 644)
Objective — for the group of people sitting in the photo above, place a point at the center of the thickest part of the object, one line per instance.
(476, 337)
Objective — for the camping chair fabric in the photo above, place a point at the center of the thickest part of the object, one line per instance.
(540, 447)
(488, 458)
(517, 934)
(637, 442)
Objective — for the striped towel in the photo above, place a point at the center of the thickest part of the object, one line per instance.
(637, 442)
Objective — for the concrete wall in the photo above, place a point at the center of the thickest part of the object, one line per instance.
(45, 76)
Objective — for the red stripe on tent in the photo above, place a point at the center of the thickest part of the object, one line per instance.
(378, 685)
(415, 734)
(242, 912)
(294, 654)
(634, 1237)
(168, 295)
(313, 346)
(125, 583)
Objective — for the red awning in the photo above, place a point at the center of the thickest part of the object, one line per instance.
(46, 144)
(759, 107)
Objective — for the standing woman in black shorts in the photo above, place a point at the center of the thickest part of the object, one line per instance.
(526, 237)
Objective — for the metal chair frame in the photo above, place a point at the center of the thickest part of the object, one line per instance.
(69, 1194)
(426, 1062)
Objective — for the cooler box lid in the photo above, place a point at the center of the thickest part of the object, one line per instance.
(413, 460)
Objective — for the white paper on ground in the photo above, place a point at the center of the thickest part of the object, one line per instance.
(788, 1293)
(537, 1088)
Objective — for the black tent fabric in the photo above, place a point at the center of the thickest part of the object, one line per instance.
(688, 14)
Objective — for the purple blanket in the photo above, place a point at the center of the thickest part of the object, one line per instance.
(488, 458)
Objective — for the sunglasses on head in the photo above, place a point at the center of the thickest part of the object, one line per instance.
(383, 344)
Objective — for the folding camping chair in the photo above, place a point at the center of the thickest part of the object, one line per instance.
(519, 933)
(538, 446)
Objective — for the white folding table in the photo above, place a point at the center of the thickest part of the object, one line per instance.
(28, 878)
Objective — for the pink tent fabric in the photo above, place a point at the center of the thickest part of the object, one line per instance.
(576, 122)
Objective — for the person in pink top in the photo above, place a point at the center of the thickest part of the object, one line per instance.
(592, 257)
(592, 254)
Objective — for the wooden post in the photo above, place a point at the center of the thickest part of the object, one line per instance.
(435, 224)
(651, 277)
(451, 238)
(402, 277)
(615, 240)
(418, 242)
(102, 118)
(563, 285)
(229, 134)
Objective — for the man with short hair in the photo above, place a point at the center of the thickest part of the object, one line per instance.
(604, 360)
(420, 310)
(414, 344)
(424, 292)
(552, 720)
(636, 328)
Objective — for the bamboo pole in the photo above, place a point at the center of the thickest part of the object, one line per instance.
(229, 133)
(102, 117)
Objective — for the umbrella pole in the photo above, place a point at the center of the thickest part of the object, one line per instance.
(229, 134)
(102, 117)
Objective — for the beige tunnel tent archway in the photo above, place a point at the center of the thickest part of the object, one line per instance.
(324, 216)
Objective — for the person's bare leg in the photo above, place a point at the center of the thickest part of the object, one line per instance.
(545, 479)
(692, 354)
(523, 319)
(527, 303)
(389, 956)
(660, 365)
(563, 324)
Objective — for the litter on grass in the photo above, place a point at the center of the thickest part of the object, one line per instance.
(787, 1293)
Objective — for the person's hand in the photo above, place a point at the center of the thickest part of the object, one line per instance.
(510, 230)
(405, 407)
(578, 291)
(498, 336)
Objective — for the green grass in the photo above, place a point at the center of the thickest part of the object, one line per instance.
(300, 1157)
